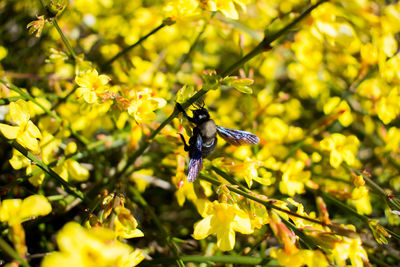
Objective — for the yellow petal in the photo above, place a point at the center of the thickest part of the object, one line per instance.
(9, 132)
(27, 141)
(202, 229)
(327, 144)
(389, 45)
(132, 259)
(229, 10)
(131, 234)
(19, 161)
(104, 79)
(242, 223)
(348, 157)
(33, 130)
(37, 179)
(19, 112)
(335, 159)
(90, 97)
(80, 91)
(76, 171)
(35, 205)
(226, 239)
(82, 81)
(71, 237)
(9, 209)
(60, 259)
(331, 104)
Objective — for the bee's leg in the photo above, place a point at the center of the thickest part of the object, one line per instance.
(186, 147)
(180, 108)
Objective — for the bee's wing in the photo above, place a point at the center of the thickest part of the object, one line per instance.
(237, 137)
(196, 161)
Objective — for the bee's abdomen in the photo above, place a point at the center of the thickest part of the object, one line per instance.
(208, 146)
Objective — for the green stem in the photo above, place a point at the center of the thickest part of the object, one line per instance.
(12, 253)
(126, 50)
(64, 39)
(169, 241)
(69, 188)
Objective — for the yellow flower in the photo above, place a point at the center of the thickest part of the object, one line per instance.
(180, 9)
(334, 105)
(276, 129)
(143, 105)
(15, 211)
(360, 200)
(246, 170)
(91, 85)
(303, 257)
(25, 133)
(224, 220)
(125, 224)
(95, 247)
(19, 161)
(341, 148)
(392, 140)
(349, 248)
(227, 7)
(293, 178)
(388, 108)
(369, 54)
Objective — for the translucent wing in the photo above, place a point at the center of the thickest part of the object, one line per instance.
(237, 137)
(196, 161)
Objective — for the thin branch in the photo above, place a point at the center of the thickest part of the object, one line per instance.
(127, 49)
(12, 253)
(64, 39)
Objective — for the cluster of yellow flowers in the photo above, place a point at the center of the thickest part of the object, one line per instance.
(90, 132)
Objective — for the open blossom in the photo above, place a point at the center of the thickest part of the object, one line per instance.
(143, 105)
(341, 148)
(15, 211)
(224, 220)
(227, 7)
(25, 132)
(95, 247)
(91, 85)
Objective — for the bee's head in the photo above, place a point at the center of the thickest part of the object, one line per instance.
(200, 115)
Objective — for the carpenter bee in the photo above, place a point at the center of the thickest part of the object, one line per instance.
(204, 139)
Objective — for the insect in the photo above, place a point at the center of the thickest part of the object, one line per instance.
(204, 139)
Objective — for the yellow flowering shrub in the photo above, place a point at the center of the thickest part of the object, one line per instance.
(94, 170)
